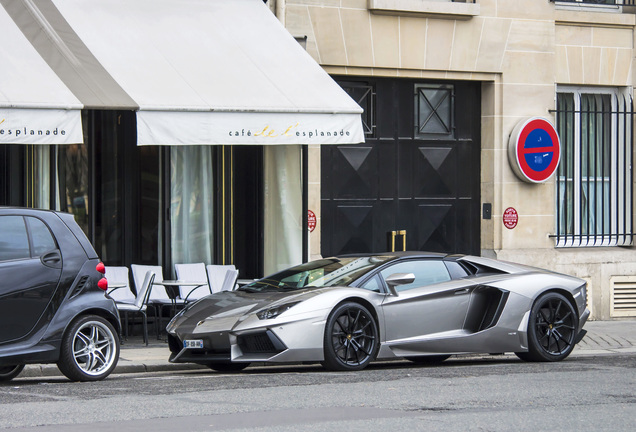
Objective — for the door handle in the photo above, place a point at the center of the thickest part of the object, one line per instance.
(462, 291)
(394, 235)
(52, 259)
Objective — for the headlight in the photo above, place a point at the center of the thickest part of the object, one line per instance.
(275, 311)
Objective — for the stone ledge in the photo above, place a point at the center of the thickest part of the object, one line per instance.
(597, 19)
(425, 8)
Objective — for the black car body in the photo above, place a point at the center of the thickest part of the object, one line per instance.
(51, 308)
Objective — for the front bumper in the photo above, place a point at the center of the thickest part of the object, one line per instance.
(291, 341)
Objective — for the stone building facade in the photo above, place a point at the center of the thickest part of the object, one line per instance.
(520, 55)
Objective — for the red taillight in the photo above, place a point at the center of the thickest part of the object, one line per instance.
(103, 284)
(100, 268)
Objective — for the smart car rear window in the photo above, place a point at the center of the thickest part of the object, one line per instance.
(14, 242)
(41, 236)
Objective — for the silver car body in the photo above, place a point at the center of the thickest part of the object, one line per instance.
(484, 312)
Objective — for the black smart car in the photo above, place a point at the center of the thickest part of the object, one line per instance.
(53, 308)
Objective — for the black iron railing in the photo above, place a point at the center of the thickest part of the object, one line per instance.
(594, 192)
(606, 2)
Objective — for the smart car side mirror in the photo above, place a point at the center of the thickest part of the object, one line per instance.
(397, 279)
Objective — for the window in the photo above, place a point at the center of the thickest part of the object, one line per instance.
(41, 238)
(594, 184)
(364, 94)
(434, 111)
(426, 273)
(14, 243)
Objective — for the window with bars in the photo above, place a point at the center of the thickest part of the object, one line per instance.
(594, 184)
(602, 2)
(434, 111)
(364, 95)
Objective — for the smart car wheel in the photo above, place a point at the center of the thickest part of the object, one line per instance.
(7, 373)
(551, 329)
(351, 338)
(90, 349)
(227, 366)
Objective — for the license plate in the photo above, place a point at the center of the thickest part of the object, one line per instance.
(193, 343)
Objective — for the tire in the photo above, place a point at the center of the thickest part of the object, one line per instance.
(227, 366)
(7, 373)
(552, 329)
(351, 338)
(90, 349)
(428, 360)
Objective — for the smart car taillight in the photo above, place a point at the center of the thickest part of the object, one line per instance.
(103, 284)
(100, 268)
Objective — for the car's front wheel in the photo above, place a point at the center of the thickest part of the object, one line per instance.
(7, 373)
(90, 349)
(552, 327)
(351, 338)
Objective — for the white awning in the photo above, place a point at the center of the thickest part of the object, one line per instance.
(35, 105)
(197, 71)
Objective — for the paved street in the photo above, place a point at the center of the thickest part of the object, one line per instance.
(591, 390)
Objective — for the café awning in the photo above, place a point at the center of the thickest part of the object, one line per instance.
(196, 71)
(35, 105)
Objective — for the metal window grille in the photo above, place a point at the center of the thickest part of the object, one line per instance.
(364, 94)
(606, 2)
(434, 107)
(594, 190)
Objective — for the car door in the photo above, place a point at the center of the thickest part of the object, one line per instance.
(434, 304)
(30, 269)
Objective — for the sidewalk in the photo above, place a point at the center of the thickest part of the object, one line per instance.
(603, 337)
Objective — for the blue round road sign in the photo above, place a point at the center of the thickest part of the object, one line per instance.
(534, 150)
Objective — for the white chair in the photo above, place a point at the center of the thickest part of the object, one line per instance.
(216, 276)
(158, 297)
(229, 283)
(116, 275)
(141, 303)
(192, 273)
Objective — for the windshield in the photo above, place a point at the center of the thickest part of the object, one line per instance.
(317, 274)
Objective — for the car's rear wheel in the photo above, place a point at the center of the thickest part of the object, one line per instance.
(7, 373)
(428, 360)
(552, 329)
(351, 338)
(90, 349)
(227, 366)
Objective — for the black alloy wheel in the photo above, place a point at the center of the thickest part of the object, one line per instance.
(552, 329)
(7, 373)
(351, 338)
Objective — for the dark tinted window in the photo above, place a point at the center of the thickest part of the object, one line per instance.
(456, 270)
(427, 272)
(40, 236)
(14, 243)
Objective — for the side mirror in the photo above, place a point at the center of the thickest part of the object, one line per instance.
(397, 279)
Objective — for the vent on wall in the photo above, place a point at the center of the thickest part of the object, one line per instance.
(623, 292)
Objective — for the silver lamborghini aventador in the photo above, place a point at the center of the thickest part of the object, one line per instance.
(348, 311)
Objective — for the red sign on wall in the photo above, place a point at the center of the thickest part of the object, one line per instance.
(311, 220)
(510, 218)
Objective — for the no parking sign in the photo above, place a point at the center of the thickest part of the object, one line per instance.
(534, 150)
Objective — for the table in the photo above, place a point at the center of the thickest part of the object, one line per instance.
(113, 286)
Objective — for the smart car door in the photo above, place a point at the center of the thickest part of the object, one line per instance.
(432, 306)
(30, 269)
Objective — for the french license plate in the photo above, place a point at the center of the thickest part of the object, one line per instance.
(193, 343)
